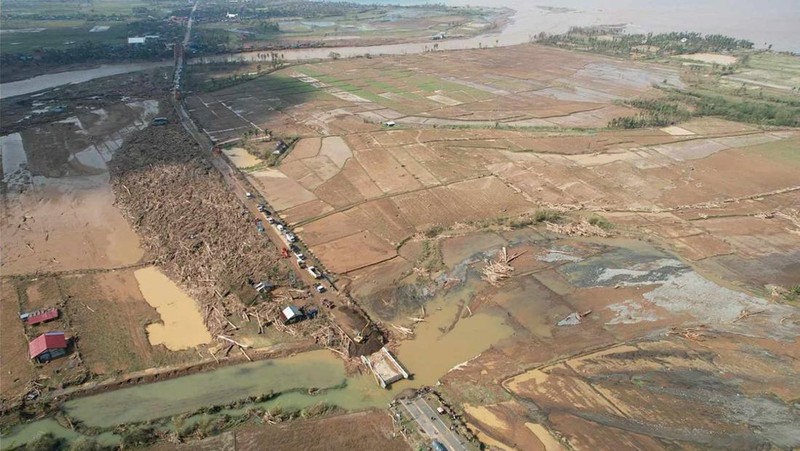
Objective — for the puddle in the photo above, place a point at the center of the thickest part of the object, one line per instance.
(241, 158)
(433, 352)
(532, 304)
(15, 161)
(183, 326)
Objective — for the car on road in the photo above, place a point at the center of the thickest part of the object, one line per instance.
(279, 226)
(271, 220)
(263, 208)
(314, 272)
(290, 237)
(320, 288)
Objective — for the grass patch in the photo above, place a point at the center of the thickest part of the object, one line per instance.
(739, 105)
(792, 294)
(599, 221)
(548, 215)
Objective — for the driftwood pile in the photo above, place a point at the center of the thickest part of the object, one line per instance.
(500, 269)
(580, 228)
(191, 224)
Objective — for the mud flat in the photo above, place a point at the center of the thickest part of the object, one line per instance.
(183, 325)
(711, 58)
(241, 158)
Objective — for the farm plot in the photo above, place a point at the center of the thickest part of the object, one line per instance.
(685, 409)
(111, 316)
(424, 179)
(522, 85)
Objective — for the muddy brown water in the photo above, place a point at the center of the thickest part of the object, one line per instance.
(183, 325)
(429, 356)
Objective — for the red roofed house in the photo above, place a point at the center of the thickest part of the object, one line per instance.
(48, 346)
(42, 316)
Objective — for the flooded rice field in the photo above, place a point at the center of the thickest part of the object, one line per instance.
(183, 326)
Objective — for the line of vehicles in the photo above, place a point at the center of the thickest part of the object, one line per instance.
(291, 239)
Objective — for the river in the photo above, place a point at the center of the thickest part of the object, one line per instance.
(772, 22)
(47, 81)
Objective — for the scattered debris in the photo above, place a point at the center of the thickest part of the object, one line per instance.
(746, 314)
(580, 228)
(573, 319)
(500, 269)
(698, 333)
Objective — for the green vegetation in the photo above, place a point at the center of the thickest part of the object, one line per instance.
(85, 444)
(599, 221)
(45, 442)
(792, 294)
(137, 436)
(548, 215)
(431, 256)
(433, 231)
(739, 105)
(613, 41)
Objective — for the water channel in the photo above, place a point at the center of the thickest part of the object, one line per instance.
(448, 338)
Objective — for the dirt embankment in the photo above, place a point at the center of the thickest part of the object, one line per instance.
(197, 230)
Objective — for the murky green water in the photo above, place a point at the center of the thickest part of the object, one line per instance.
(448, 337)
(319, 369)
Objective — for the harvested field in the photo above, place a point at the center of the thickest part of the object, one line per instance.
(365, 431)
(670, 388)
(111, 316)
(522, 85)
(241, 158)
(354, 252)
(710, 58)
(14, 353)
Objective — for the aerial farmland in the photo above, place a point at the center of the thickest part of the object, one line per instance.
(574, 242)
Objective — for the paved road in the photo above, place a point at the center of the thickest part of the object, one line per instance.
(231, 177)
(430, 422)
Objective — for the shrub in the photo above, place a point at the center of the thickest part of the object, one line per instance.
(599, 221)
(548, 215)
(85, 444)
(45, 442)
(138, 437)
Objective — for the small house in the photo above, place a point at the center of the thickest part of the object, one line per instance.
(40, 316)
(291, 314)
(48, 346)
